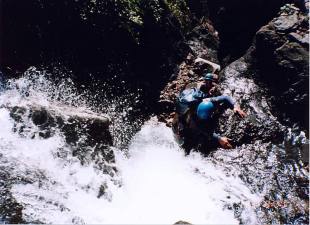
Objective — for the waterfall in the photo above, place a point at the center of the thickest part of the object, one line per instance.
(48, 179)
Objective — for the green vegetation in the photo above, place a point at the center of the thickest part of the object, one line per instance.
(130, 14)
(181, 11)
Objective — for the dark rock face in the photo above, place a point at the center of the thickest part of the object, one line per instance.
(139, 42)
(284, 188)
(82, 130)
(237, 22)
(10, 210)
(237, 82)
(68, 31)
(260, 124)
(203, 42)
(281, 56)
(270, 82)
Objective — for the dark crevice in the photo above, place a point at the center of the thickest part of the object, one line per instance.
(237, 21)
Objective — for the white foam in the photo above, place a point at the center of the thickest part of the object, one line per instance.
(159, 184)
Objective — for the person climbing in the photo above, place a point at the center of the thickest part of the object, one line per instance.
(189, 99)
(192, 95)
(208, 84)
(191, 125)
(207, 114)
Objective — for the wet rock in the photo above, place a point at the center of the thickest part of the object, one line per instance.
(260, 123)
(13, 217)
(96, 129)
(203, 41)
(201, 67)
(270, 171)
(39, 117)
(10, 210)
(285, 23)
(237, 21)
(190, 59)
(166, 105)
(87, 142)
(45, 118)
(303, 40)
(87, 133)
(305, 153)
(17, 112)
(99, 129)
(280, 55)
(269, 81)
(292, 56)
(103, 192)
(77, 220)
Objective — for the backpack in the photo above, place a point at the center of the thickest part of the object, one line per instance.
(188, 99)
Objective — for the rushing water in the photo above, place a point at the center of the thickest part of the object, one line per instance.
(44, 180)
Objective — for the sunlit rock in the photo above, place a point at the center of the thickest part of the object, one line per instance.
(280, 55)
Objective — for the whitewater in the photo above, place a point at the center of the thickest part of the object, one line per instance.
(155, 182)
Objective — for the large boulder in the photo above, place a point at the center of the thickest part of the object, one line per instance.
(86, 132)
(237, 21)
(276, 174)
(260, 123)
(87, 143)
(270, 81)
(280, 54)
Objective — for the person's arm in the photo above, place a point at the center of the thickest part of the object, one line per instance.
(229, 103)
(214, 91)
(224, 142)
(226, 100)
(216, 137)
(239, 111)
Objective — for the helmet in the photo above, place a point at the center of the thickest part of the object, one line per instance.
(211, 77)
(205, 110)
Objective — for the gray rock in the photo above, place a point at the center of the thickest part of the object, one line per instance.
(280, 56)
(286, 22)
(86, 132)
(87, 138)
(303, 40)
(305, 153)
(39, 117)
(259, 124)
(201, 67)
(294, 53)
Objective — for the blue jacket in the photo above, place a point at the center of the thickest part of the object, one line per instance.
(207, 127)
